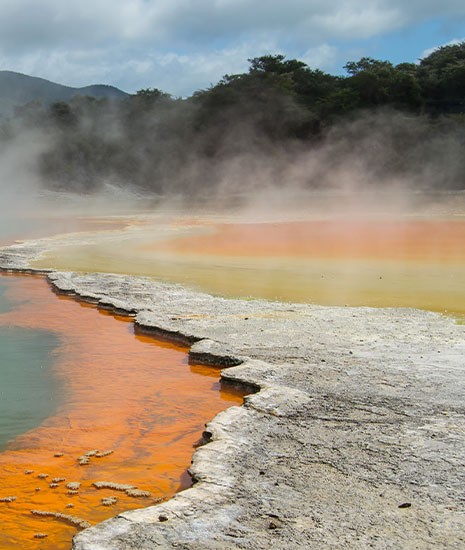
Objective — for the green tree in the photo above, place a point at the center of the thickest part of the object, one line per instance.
(380, 83)
(442, 75)
(148, 97)
(62, 114)
(277, 64)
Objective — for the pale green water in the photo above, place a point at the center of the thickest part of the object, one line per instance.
(5, 305)
(16, 227)
(28, 391)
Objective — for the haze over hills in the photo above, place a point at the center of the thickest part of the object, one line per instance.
(18, 89)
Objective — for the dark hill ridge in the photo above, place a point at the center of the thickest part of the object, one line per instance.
(18, 89)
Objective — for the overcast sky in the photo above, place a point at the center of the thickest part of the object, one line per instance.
(181, 46)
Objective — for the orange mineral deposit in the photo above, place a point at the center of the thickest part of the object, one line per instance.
(376, 262)
(440, 240)
(131, 410)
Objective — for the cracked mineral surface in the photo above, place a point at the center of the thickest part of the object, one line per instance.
(355, 438)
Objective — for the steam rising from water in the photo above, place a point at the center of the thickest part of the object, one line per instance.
(385, 166)
(19, 181)
(382, 163)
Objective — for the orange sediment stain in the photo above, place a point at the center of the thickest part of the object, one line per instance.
(360, 262)
(397, 239)
(125, 393)
(375, 262)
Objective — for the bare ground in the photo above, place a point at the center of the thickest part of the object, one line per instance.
(355, 438)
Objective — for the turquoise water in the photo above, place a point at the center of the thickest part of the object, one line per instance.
(28, 391)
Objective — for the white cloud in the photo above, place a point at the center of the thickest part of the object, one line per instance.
(320, 56)
(452, 42)
(353, 20)
(182, 45)
(24, 23)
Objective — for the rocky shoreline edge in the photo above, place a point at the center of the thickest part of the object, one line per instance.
(354, 438)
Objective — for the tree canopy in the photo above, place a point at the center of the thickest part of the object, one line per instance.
(275, 103)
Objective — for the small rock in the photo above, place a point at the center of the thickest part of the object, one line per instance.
(7, 499)
(109, 501)
(162, 517)
(405, 505)
(137, 493)
(102, 454)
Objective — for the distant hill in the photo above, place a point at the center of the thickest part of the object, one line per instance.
(17, 89)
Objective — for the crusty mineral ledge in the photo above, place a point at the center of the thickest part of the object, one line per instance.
(355, 440)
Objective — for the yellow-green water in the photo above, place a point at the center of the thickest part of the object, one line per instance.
(427, 283)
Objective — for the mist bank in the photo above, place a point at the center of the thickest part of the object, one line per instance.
(280, 126)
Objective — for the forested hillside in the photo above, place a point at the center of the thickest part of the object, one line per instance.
(17, 89)
(281, 120)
